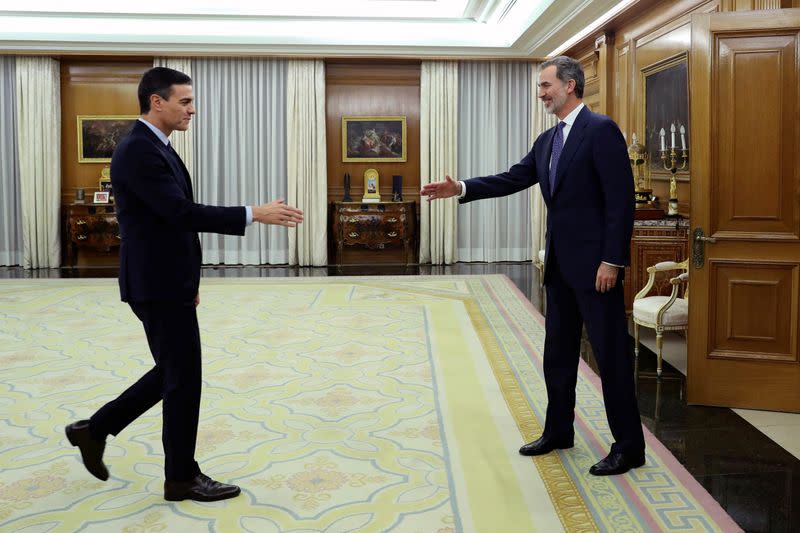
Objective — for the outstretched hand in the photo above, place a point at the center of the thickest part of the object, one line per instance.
(278, 213)
(441, 189)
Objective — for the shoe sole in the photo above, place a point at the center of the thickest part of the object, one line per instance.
(545, 453)
(617, 473)
(201, 498)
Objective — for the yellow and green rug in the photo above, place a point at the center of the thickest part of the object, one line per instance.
(338, 404)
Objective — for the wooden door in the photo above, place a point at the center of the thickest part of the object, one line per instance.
(745, 190)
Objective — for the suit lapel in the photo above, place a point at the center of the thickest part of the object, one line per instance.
(544, 163)
(574, 140)
(179, 171)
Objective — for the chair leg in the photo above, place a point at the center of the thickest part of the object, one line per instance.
(636, 340)
(659, 345)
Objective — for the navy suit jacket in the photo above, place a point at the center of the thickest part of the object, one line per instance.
(590, 212)
(160, 251)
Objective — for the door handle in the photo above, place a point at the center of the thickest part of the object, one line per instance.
(699, 241)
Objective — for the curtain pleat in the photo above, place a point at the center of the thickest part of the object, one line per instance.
(38, 107)
(240, 151)
(307, 161)
(438, 158)
(10, 201)
(494, 125)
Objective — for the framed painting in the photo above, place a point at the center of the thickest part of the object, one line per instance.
(373, 139)
(666, 102)
(99, 135)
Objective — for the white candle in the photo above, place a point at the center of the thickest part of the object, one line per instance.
(663, 148)
(672, 129)
(633, 137)
(683, 138)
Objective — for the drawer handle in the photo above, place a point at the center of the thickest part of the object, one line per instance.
(353, 219)
(391, 220)
(392, 234)
(353, 234)
(82, 237)
(80, 222)
(119, 236)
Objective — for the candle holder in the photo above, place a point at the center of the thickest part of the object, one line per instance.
(637, 154)
(674, 159)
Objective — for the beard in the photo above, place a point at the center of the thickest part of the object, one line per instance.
(556, 102)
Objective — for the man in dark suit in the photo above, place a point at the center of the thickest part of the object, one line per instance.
(582, 168)
(159, 277)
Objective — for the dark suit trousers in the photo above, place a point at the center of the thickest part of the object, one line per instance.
(604, 315)
(174, 338)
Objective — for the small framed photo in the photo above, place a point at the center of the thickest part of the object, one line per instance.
(98, 136)
(374, 139)
(101, 197)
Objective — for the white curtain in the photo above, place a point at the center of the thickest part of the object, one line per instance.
(438, 158)
(240, 151)
(541, 121)
(494, 125)
(39, 140)
(11, 228)
(307, 170)
(182, 141)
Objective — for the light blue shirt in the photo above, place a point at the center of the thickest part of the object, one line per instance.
(164, 139)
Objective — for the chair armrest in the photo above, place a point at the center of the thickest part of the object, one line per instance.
(677, 280)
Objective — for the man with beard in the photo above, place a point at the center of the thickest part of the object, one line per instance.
(582, 167)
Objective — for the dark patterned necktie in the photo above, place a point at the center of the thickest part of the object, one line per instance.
(558, 144)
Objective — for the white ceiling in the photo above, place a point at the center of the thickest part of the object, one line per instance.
(328, 28)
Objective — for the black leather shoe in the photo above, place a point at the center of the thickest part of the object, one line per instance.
(543, 445)
(616, 463)
(91, 449)
(201, 489)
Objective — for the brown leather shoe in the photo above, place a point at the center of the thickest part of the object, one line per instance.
(201, 489)
(544, 445)
(91, 449)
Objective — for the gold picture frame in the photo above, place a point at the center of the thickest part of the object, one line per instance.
(665, 101)
(98, 135)
(372, 186)
(374, 139)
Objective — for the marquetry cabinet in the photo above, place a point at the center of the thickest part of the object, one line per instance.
(374, 231)
(654, 241)
(89, 227)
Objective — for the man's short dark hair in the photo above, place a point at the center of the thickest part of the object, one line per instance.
(159, 80)
(567, 69)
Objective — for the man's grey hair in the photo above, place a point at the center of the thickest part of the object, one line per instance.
(567, 69)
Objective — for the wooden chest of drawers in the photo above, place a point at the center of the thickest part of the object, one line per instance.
(91, 227)
(374, 226)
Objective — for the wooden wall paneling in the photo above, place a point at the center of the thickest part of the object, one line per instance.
(93, 87)
(372, 88)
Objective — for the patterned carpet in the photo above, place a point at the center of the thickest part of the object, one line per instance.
(338, 404)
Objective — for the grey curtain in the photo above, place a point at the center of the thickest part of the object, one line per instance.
(11, 227)
(494, 132)
(240, 151)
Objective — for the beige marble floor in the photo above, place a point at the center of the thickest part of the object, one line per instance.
(782, 428)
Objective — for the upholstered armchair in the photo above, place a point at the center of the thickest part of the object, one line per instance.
(662, 313)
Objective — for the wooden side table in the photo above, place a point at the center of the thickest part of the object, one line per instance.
(89, 226)
(374, 226)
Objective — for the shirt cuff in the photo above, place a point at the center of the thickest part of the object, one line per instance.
(463, 192)
(248, 215)
(612, 264)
